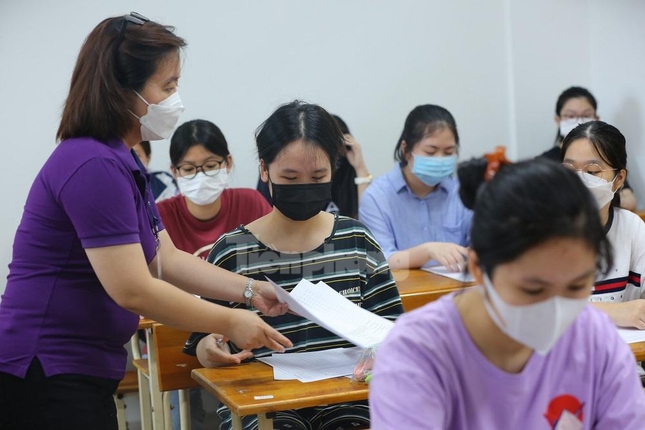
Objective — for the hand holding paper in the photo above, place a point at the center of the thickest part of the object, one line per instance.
(326, 307)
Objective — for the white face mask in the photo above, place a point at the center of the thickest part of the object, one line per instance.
(567, 125)
(538, 325)
(160, 120)
(204, 190)
(601, 189)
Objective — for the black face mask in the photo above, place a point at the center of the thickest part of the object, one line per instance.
(300, 202)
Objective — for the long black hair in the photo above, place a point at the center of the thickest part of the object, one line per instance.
(608, 142)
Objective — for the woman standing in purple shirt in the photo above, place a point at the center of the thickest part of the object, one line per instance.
(524, 350)
(414, 211)
(91, 254)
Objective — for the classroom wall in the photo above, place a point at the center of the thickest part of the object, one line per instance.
(497, 65)
(617, 65)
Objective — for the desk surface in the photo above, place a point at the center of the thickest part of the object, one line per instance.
(145, 323)
(638, 349)
(237, 386)
(418, 287)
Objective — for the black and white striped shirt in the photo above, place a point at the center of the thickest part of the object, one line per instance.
(349, 261)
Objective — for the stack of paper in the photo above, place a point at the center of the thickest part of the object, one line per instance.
(632, 335)
(459, 276)
(326, 307)
(314, 366)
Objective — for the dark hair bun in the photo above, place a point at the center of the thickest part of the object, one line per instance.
(471, 178)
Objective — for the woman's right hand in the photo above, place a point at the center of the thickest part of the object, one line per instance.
(213, 351)
(247, 330)
(449, 255)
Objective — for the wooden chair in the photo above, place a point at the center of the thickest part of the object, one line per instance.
(165, 369)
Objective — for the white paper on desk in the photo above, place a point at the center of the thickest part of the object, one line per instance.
(326, 307)
(313, 366)
(632, 335)
(459, 276)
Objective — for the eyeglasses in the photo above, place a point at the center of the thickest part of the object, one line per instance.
(134, 18)
(210, 168)
(592, 169)
(580, 119)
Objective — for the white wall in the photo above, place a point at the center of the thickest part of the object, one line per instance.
(617, 41)
(550, 52)
(497, 65)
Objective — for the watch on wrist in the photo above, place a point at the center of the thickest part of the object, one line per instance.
(248, 292)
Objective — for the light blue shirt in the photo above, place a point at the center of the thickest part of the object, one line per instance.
(400, 220)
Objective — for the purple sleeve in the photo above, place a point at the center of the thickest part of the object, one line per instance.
(402, 368)
(620, 402)
(100, 202)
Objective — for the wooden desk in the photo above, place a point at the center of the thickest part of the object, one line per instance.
(638, 349)
(418, 287)
(237, 387)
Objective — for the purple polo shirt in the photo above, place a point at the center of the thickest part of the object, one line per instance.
(87, 195)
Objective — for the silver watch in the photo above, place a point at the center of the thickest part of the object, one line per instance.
(248, 292)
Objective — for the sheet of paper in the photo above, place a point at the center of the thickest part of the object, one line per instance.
(632, 335)
(459, 276)
(314, 366)
(324, 306)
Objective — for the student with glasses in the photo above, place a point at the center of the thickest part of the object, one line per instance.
(596, 152)
(90, 239)
(205, 208)
(576, 105)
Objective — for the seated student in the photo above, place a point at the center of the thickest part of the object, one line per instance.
(414, 211)
(522, 350)
(351, 177)
(576, 105)
(596, 151)
(298, 146)
(162, 183)
(206, 208)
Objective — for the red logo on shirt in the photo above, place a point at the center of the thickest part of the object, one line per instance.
(564, 412)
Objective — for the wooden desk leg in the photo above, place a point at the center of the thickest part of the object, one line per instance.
(236, 421)
(144, 401)
(265, 423)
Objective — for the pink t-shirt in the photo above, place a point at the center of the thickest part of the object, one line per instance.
(430, 375)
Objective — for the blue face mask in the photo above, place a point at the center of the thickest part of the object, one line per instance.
(432, 170)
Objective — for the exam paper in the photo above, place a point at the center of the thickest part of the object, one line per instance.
(459, 276)
(323, 305)
(632, 335)
(313, 366)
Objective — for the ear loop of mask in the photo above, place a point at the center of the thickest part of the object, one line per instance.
(142, 99)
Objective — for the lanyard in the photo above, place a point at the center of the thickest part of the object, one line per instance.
(146, 191)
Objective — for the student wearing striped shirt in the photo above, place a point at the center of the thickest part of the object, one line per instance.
(298, 146)
(596, 151)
